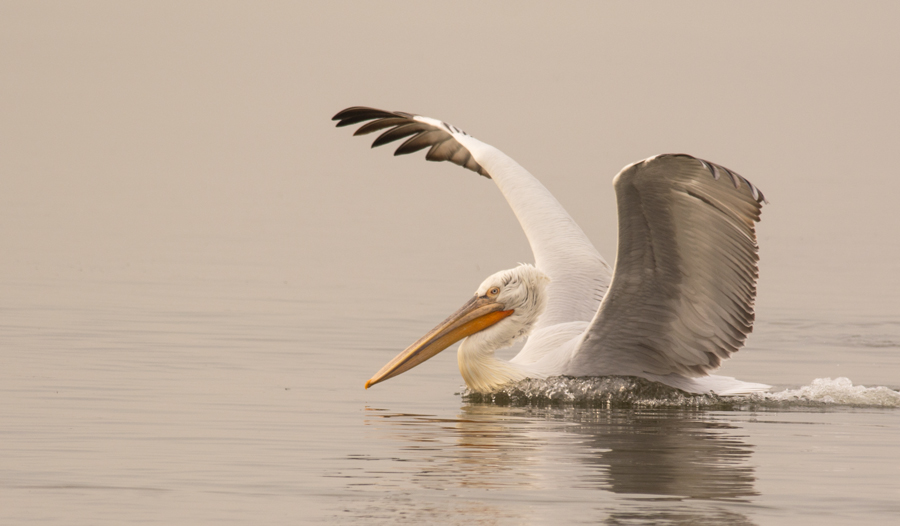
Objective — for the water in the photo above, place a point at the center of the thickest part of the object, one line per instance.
(632, 392)
(496, 465)
(198, 273)
(217, 401)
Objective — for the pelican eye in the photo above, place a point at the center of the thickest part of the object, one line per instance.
(494, 291)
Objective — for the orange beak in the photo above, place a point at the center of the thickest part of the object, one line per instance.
(476, 315)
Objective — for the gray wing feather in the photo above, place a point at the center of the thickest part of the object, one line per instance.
(421, 135)
(684, 285)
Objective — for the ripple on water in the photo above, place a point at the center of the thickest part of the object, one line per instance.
(634, 392)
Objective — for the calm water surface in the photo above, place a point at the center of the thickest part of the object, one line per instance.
(232, 401)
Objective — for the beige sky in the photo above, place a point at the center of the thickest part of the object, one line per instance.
(163, 140)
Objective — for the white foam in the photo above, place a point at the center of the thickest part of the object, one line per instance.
(839, 391)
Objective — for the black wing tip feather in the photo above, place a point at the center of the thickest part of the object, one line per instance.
(357, 114)
(421, 135)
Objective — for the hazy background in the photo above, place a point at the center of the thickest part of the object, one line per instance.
(176, 142)
(198, 271)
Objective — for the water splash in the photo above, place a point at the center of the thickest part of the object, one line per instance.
(840, 391)
(633, 392)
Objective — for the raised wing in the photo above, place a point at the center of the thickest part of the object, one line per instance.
(579, 276)
(682, 294)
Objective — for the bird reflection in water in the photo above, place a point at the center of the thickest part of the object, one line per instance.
(667, 454)
(650, 465)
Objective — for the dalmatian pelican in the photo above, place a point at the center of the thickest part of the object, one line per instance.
(679, 301)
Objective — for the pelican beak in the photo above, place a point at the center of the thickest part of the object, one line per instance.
(477, 314)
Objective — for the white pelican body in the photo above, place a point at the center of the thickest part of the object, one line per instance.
(680, 300)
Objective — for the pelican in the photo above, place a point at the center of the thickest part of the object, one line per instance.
(679, 301)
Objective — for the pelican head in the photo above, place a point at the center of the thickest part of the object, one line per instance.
(503, 310)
